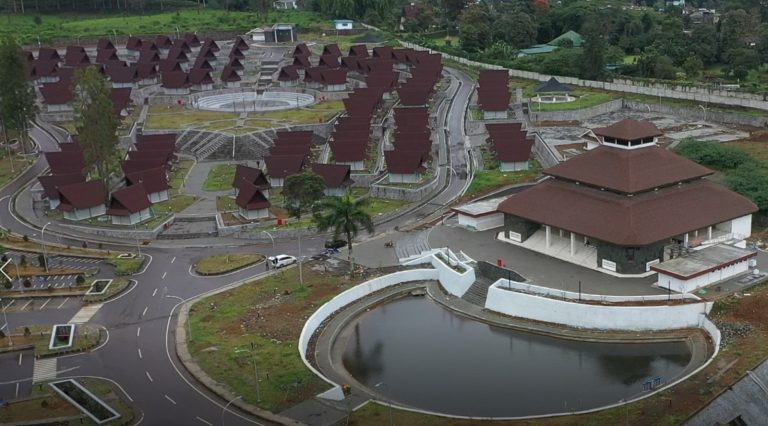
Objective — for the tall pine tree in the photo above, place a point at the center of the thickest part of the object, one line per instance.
(17, 97)
(96, 125)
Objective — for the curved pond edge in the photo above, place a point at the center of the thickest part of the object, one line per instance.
(318, 320)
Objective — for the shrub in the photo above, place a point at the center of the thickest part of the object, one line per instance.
(80, 280)
(713, 154)
(25, 238)
(23, 260)
(26, 283)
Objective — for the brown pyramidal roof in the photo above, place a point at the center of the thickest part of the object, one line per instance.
(128, 200)
(250, 197)
(334, 175)
(629, 170)
(629, 129)
(154, 180)
(82, 195)
(628, 221)
(251, 175)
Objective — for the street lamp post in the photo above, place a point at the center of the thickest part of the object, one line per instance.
(382, 384)
(255, 371)
(224, 410)
(8, 326)
(274, 253)
(45, 252)
(301, 277)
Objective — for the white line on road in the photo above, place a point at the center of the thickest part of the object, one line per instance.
(138, 331)
(20, 357)
(154, 293)
(204, 421)
(169, 399)
(62, 303)
(148, 376)
(164, 273)
(145, 311)
(173, 260)
(26, 304)
(17, 389)
(139, 349)
(46, 302)
(9, 305)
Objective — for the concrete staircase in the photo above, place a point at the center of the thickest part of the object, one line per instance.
(212, 146)
(478, 292)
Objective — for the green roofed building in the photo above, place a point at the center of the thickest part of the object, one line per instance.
(537, 49)
(573, 36)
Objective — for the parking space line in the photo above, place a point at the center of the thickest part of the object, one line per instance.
(154, 293)
(62, 303)
(173, 260)
(164, 273)
(139, 349)
(46, 302)
(9, 305)
(138, 331)
(26, 304)
(145, 311)
(148, 376)
(169, 399)
(204, 421)
(20, 354)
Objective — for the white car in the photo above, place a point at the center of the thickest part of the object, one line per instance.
(281, 260)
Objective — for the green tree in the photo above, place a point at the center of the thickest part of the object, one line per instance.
(96, 124)
(474, 31)
(516, 29)
(302, 191)
(41, 260)
(344, 215)
(17, 97)
(751, 183)
(593, 56)
(664, 68)
(693, 66)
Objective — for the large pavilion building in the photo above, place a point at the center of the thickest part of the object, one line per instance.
(626, 206)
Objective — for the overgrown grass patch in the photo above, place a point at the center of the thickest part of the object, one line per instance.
(220, 177)
(262, 319)
(224, 263)
(126, 266)
(117, 286)
(486, 180)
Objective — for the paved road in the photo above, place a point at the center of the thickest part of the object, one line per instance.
(139, 353)
(17, 374)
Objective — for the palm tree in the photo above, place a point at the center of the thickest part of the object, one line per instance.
(345, 215)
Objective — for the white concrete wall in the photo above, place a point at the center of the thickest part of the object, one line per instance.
(454, 282)
(482, 223)
(495, 115)
(254, 214)
(742, 226)
(572, 295)
(344, 299)
(183, 91)
(133, 218)
(81, 214)
(601, 317)
(403, 178)
(513, 167)
(276, 182)
(687, 286)
(157, 197)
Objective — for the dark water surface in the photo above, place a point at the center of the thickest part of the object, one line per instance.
(424, 356)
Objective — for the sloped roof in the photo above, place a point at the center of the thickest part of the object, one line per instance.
(154, 180)
(65, 162)
(348, 153)
(210, 44)
(333, 76)
(105, 44)
(301, 62)
(229, 74)
(52, 183)
(163, 138)
(163, 42)
(359, 50)
(334, 175)
(47, 54)
(383, 52)
(629, 129)
(106, 56)
(122, 74)
(241, 44)
(191, 39)
(628, 221)
(330, 61)
(288, 73)
(251, 175)
(146, 70)
(82, 195)
(280, 166)
(128, 200)
(202, 64)
(553, 86)
(57, 93)
(44, 68)
(236, 53)
(576, 39)
(170, 65)
(134, 166)
(180, 44)
(332, 49)
(151, 56)
(249, 197)
(514, 152)
(178, 55)
(236, 64)
(404, 162)
(175, 80)
(629, 170)
(200, 76)
(133, 43)
(301, 49)
(150, 154)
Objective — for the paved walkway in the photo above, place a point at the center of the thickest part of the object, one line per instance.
(206, 205)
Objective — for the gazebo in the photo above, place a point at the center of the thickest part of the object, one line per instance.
(552, 92)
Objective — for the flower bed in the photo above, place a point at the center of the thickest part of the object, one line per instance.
(85, 401)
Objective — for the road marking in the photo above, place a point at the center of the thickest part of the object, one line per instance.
(9, 305)
(20, 354)
(169, 399)
(26, 304)
(204, 421)
(154, 293)
(138, 331)
(164, 275)
(62, 303)
(17, 389)
(173, 260)
(139, 349)
(148, 376)
(46, 302)
(85, 313)
(3, 326)
(145, 311)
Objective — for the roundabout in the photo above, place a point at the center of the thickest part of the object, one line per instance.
(254, 101)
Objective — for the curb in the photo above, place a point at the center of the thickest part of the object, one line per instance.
(219, 389)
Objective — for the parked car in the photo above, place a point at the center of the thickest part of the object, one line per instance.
(281, 260)
(335, 244)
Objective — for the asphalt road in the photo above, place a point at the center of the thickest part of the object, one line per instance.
(139, 354)
(17, 374)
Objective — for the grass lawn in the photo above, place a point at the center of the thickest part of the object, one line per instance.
(486, 180)
(126, 266)
(265, 316)
(178, 176)
(220, 177)
(19, 165)
(115, 287)
(72, 26)
(179, 117)
(86, 336)
(223, 263)
(378, 206)
(225, 204)
(50, 406)
(296, 116)
(583, 100)
(18, 243)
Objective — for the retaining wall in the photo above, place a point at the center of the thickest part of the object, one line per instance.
(699, 114)
(576, 114)
(494, 272)
(454, 282)
(128, 233)
(397, 193)
(503, 283)
(601, 317)
(546, 155)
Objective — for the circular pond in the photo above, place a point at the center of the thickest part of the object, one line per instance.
(254, 102)
(553, 99)
(418, 354)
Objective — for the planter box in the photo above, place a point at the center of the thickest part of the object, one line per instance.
(126, 256)
(85, 401)
(98, 287)
(62, 336)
